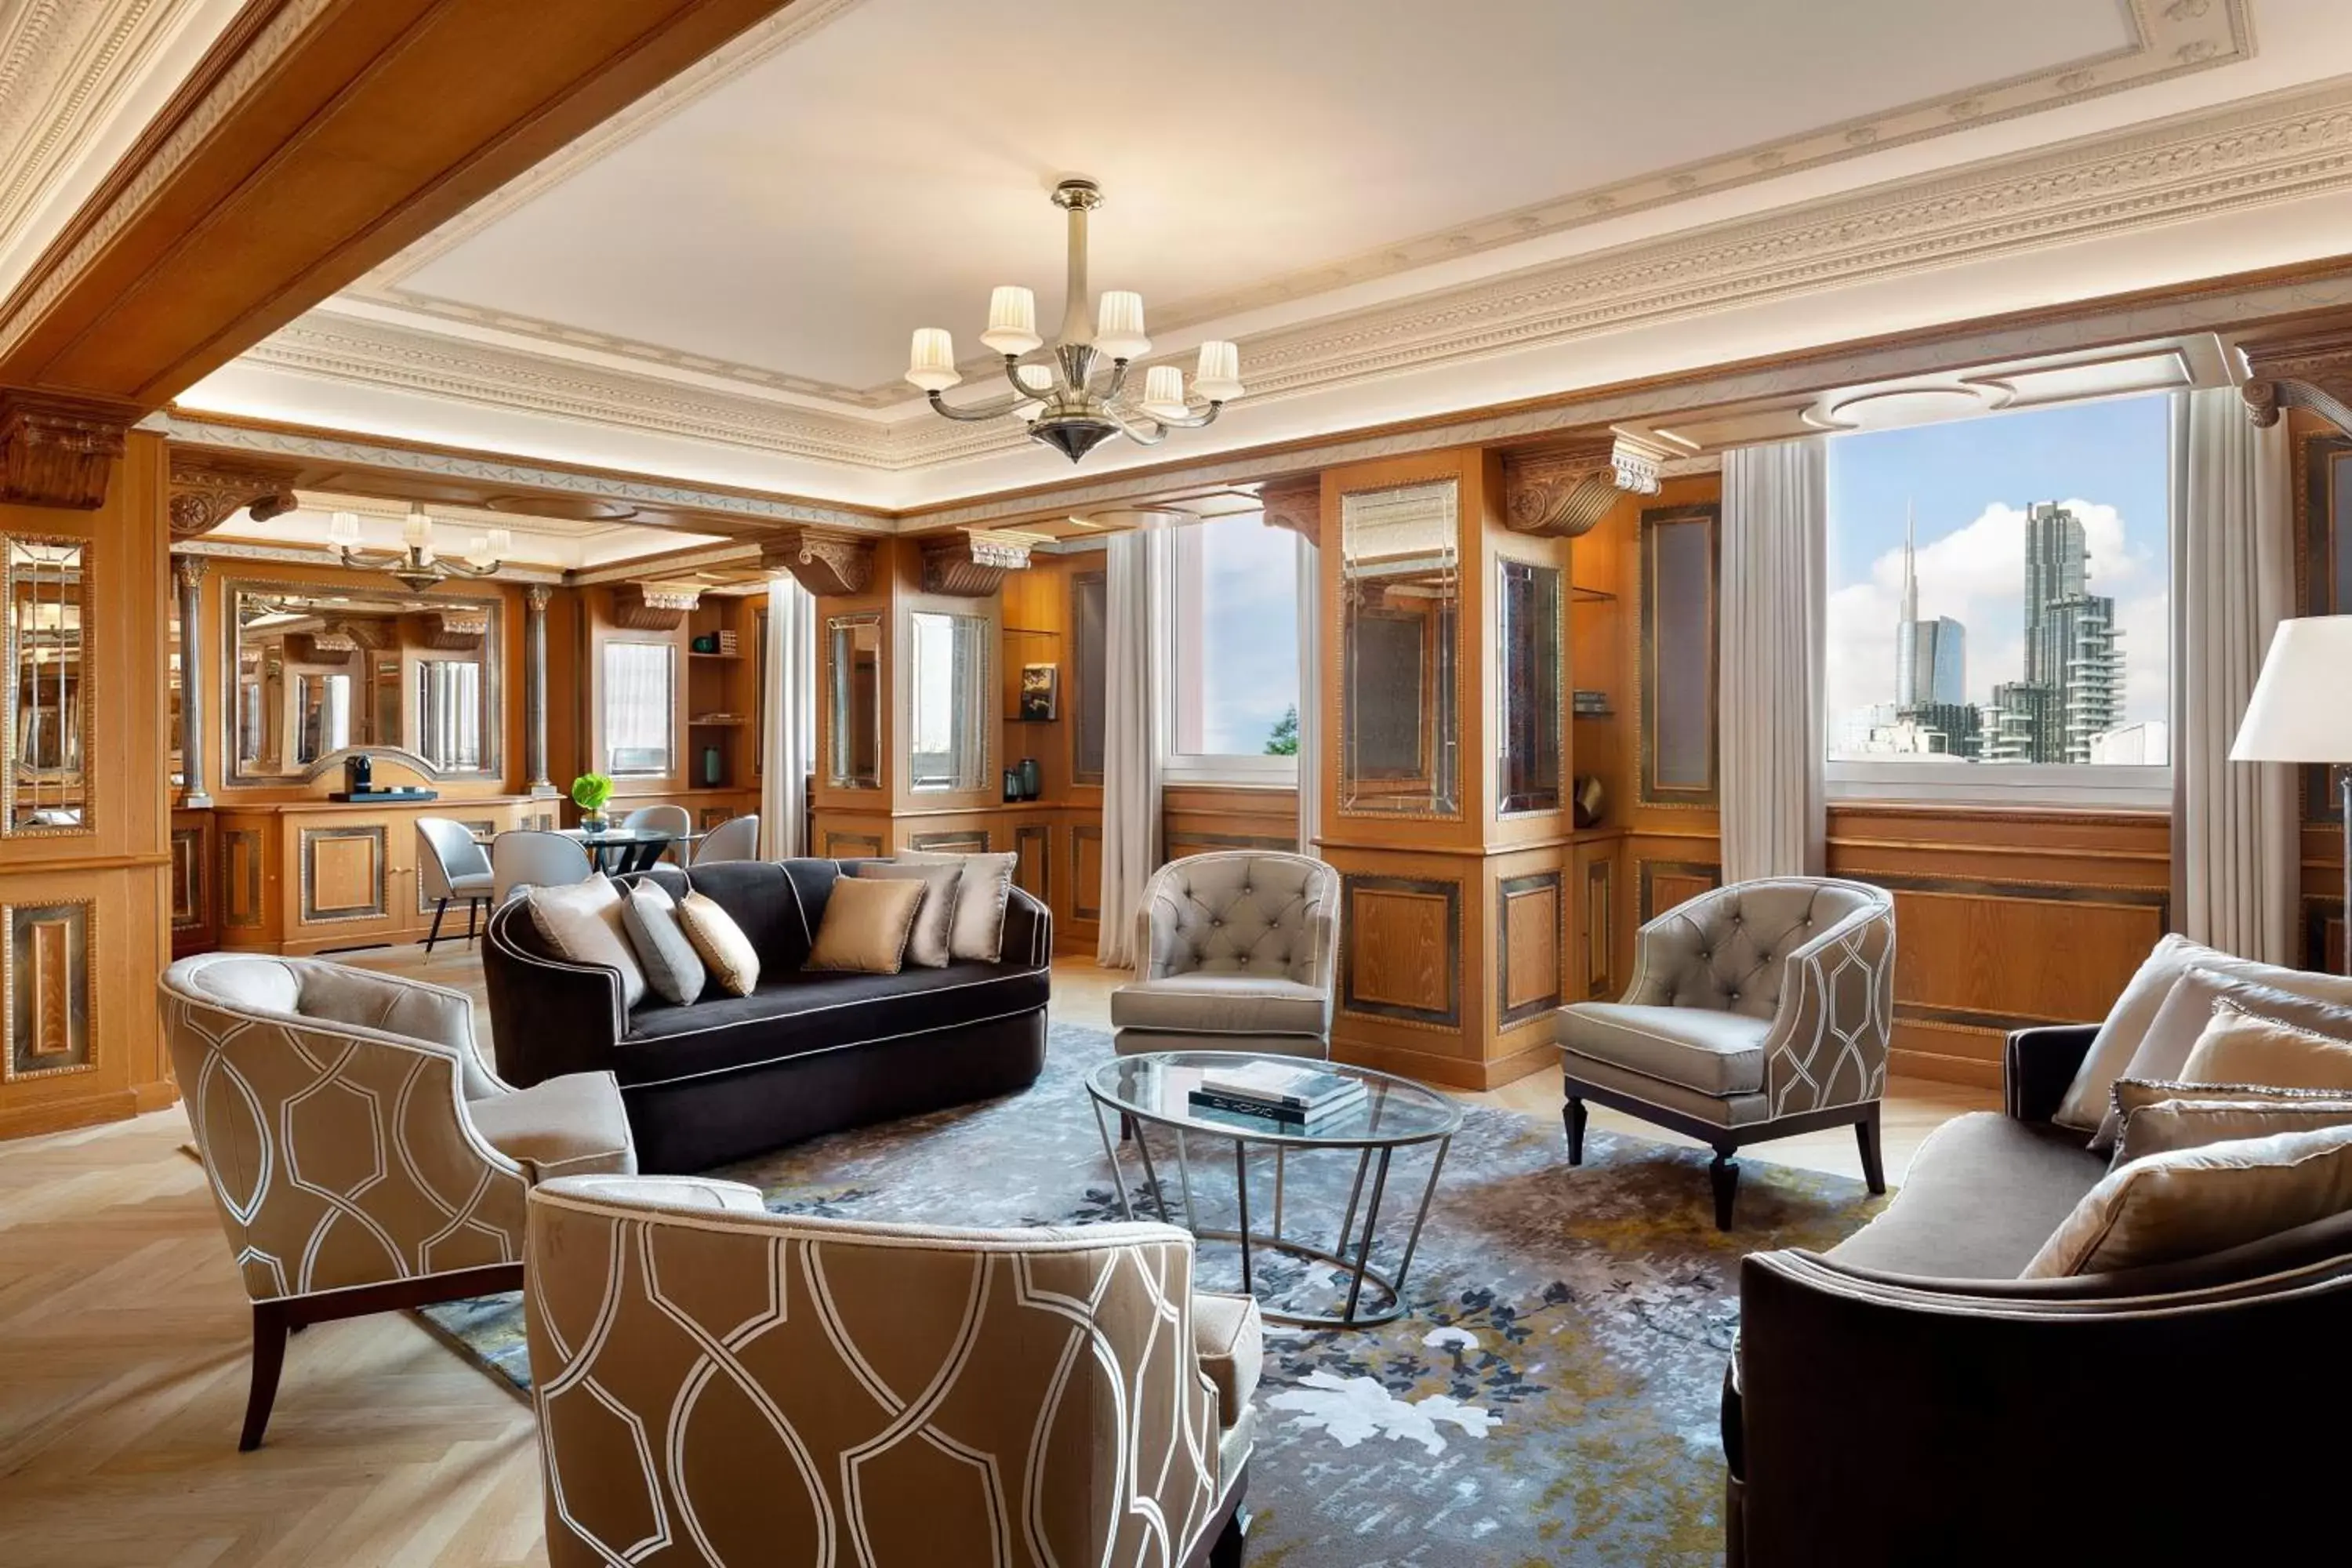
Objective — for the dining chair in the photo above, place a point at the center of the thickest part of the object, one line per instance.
(670, 819)
(533, 857)
(737, 838)
(452, 865)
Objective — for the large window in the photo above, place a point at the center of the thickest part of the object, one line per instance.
(1999, 607)
(1234, 652)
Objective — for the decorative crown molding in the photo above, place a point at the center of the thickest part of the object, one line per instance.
(59, 451)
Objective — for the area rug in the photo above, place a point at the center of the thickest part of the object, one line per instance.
(1550, 1397)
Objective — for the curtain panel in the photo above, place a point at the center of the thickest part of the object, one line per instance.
(787, 718)
(1132, 779)
(2234, 823)
(1310, 694)
(1774, 577)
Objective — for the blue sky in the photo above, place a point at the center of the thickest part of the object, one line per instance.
(1249, 592)
(1971, 481)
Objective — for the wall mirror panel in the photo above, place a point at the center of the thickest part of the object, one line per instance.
(1400, 572)
(1679, 556)
(640, 709)
(49, 698)
(313, 672)
(1526, 625)
(853, 701)
(948, 707)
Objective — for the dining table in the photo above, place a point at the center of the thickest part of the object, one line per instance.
(617, 850)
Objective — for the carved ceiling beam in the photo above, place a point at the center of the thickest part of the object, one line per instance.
(457, 628)
(1563, 492)
(828, 562)
(653, 606)
(970, 564)
(59, 451)
(2313, 372)
(207, 492)
(1296, 505)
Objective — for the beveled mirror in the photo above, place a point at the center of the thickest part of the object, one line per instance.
(949, 707)
(853, 701)
(1526, 697)
(1399, 570)
(315, 670)
(49, 699)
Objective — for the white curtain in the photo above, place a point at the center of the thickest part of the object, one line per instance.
(788, 716)
(1130, 839)
(1310, 694)
(2234, 823)
(1775, 540)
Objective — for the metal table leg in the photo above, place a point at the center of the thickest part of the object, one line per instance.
(1241, 1190)
(1143, 1147)
(1420, 1216)
(1364, 1255)
(1110, 1157)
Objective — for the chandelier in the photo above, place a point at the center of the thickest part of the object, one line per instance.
(415, 563)
(1074, 403)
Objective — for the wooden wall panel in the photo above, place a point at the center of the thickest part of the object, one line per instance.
(1196, 819)
(2323, 587)
(1405, 953)
(1528, 914)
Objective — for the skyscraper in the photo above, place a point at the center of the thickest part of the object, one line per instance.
(1930, 656)
(2057, 558)
(2070, 653)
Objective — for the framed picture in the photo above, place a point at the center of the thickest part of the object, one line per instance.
(1041, 692)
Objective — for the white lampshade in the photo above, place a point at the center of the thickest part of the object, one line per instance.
(1036, 378)
(1119, 325)
(1218, 379)
(418, 529)
(343, 528)
(931, 364)
(2301, 711)
(1163, 392)
(490, 549)
(1012, 321)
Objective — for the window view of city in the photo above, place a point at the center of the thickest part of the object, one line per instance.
(1999, 589)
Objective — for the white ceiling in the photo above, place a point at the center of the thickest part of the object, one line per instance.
(1398, 208)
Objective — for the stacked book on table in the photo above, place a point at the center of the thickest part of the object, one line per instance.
(1300, 1097)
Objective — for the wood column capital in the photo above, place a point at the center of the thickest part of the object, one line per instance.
(825, 561)
(58, 450)
(970, 564)
(653, 606)
(2313, 371)
(207, 492)
(1564, 492)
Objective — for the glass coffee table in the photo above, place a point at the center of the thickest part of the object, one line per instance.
(1396, 1113)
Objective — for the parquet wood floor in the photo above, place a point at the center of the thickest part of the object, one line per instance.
(123, 1337)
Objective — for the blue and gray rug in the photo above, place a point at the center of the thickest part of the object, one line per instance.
(1550, 1397)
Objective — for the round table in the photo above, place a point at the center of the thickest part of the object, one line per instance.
(1154, 1089)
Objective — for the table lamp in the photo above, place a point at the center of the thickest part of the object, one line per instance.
(2301, 711)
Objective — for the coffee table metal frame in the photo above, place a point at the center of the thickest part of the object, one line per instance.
(1357, 1313)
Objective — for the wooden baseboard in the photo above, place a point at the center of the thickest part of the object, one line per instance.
(1447, 1072)
(65, 1115)
(1974, 1071)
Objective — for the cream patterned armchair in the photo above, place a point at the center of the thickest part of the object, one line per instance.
(1756, 1011)
(362, 1157)
(1239, 944)
(718, 1385)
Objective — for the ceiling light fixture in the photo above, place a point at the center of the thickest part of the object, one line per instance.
(414, 563)
(1073, 404)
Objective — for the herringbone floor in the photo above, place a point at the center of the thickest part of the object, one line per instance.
(123, 1334)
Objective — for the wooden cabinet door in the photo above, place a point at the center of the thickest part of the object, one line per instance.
(351, 881)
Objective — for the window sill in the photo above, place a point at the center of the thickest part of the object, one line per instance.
(1246, 771)
(1996, 785)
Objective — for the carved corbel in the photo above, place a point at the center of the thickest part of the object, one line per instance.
(59, 451)
(653, 606)
(971, 563)
(827, 562)
(2312, 372)
(457, 628)
(1561, 493)
(352, 633)
(1296, 505)
(207, 492)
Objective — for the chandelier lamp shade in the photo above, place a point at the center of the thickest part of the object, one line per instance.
(415, 563)
(1079, 396)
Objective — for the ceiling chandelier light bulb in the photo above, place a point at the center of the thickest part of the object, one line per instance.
(417, 531)
(491, 549)
(1218, 378)
(1164, 393)
(1118, 326)
(1011, 321)
(344, 528)
(930, 362)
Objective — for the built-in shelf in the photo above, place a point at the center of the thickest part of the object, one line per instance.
(697, 653)
(715, 723)
(1596, 713)
(1578, 594)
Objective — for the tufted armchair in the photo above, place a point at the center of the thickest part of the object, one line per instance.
(718, 1385)
(1242, 944)
(1756, 1011)
(362, 1157)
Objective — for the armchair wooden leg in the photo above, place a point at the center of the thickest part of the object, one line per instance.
(435, 934)
(268, 1359)
(1866, 1135)
(1231, 1543)
(1572, 1113)
(473, 913)
(1725, 1175)
(1126, 1128)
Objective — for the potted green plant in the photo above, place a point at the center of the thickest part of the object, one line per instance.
(589, 793)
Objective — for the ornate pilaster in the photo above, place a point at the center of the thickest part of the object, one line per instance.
(826, 561)
(1296, 505)
(2313, 372)
(188, 577)
(1562, 492)
(534, 689)
(207, 492)
(970, 564)
(59, 451)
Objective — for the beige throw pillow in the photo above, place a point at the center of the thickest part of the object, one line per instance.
(977, 932)
(2238, 1046)
(673, 968)
(725, 951)
(2182, 1021)
(581, 921)
(2135, 1011)
(927, 944)
(2193, 1121)
(867, 920)
(2192, 1202)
